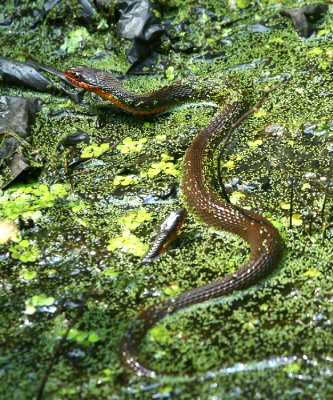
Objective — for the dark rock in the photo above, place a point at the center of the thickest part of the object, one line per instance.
(27, 75)
(76, 138)
(138, 23)
(17, 114)
(88, 10)
(302, 16)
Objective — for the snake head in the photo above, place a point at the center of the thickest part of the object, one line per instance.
(82, 76)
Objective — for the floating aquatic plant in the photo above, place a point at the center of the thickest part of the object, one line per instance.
(236, 197)
(74, 40)
(128, 145)
(133, 220)
(128, 243)
(26, 201)
(83, 336)
(94, 150)
(125, 180)
(170, 73)
(230, 164)
(27, 274)
(25, 251)
(255, 143)
(165, 166)
(41, 300)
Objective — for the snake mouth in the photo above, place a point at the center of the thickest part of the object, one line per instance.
(75, 76)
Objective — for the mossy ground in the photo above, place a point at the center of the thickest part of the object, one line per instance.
(271, 341)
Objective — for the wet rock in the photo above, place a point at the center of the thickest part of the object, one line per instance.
(17, 114)
(302, 16)
(311, 129)
(138, 22)
(258, 28)
(17, 73)
(274, 130)
(241, 186)
(76, 138)
(27, 75)
(88, 10)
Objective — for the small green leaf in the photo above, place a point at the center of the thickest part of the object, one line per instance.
(254, 144)
(28, 275)
(93, 337)
(110, 273)
(170, 73)
(311, 273)
(316, 51)
(284, 205)
(236, 197)
(74, 40)
(294, 367)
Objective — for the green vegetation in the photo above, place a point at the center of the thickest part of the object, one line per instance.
(89, 216)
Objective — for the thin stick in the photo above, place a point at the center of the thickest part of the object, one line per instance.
(58, 348)
(309, 212)
(325, 198)
(291, 203)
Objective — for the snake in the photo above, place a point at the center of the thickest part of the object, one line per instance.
(199, 193)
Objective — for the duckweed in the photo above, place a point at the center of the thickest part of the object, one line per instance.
(83, 336)
(312, 273)
(230, 164)
(133, 220)
(296, 220)
(165, 166)
(28, 274)
(236, 197)
(41, 300)
(254, 144)
(170, 73)
(128, 243)
(172, 290)
(27, 201)
(110, 273)
(94, 150)
(260, 114)
(129, 145)
(125, 180)
(25, 251)
(284, 205)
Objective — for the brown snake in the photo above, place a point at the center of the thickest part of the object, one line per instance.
(199, 194)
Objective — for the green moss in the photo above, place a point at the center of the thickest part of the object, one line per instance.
(91, 232)
(75, 39)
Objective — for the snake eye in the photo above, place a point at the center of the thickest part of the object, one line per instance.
(77, 76)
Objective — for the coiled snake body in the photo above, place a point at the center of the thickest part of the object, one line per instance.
(199, 195)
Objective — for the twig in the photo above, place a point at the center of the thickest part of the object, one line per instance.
(291, 203)
(58, 348)
(325, 198)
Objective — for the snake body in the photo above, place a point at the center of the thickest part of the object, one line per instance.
(199, 195)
